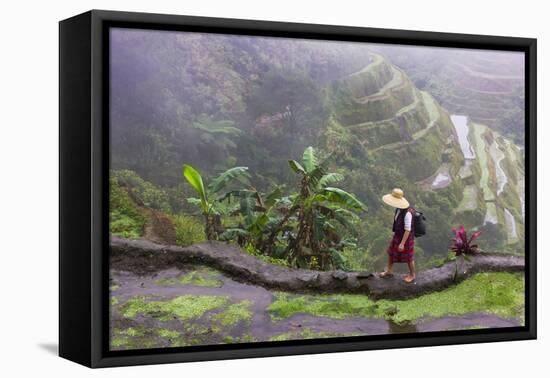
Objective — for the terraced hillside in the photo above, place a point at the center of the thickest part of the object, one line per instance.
(397, 123)
(404, 128)
(487, 86)
(501, 180)
(482, 92)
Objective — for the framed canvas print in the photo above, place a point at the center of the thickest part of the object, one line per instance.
(234, 188)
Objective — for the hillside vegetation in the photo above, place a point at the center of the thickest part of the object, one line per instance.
(487, 86)
(221, 102)
(279, 150)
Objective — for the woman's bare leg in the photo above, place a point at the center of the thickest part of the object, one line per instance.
(412, 272)
(389, 268)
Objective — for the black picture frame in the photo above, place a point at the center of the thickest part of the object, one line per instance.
(83, 181)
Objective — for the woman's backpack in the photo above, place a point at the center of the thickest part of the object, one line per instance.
(419, 223)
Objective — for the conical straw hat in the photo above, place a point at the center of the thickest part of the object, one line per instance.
(396, 199)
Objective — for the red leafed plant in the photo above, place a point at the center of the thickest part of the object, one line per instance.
(462, 245)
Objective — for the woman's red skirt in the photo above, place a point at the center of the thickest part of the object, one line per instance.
(408, 252)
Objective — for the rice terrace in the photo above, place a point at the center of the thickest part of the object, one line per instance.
(246, 184)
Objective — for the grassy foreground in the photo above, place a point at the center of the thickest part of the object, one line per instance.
(500, 294)
(146, 321)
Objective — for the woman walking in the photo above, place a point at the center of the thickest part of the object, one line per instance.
(401, 248)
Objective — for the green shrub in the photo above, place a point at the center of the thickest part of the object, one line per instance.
(249, 248)
(189, 230)
(125, 218)
(146, 192)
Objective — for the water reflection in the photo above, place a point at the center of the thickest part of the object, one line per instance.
(461, 126)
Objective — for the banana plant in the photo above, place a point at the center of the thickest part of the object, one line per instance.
(209, 196)
(303, 226)
(318, 206)
(259, 214)
(310, 228)
(216, 134)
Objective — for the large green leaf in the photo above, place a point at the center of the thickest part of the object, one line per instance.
(309, 159)
(341, 215)
(237, 194)
(259, 224)
(338, 258)
(228, 130)
(338, 195)
(329, 179)
(274, 196)
(320, 170)
(194, 201)
(340, 211)
(319, 227)
(346, 223)
(194, 178)
(224, 178)
(262, 220)
(315, 176)
(297, 167)
(247, 206)
(233, 233)
(205, 123)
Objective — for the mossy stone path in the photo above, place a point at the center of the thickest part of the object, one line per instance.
(195, 305)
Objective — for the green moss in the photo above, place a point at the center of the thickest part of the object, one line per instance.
(198, 330)
(248, 339)
(476, 327)
(132, 338)
(168, 333)
(183, 308)
(229, 339)
(336, 306)
(243, 339)
(114, 287)
(177, 343)
(501, 294)
(284, 336)
(114, 301)
(308, 333)
(133, 331)
(119, 341)
(235, 313)
(203, 276)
